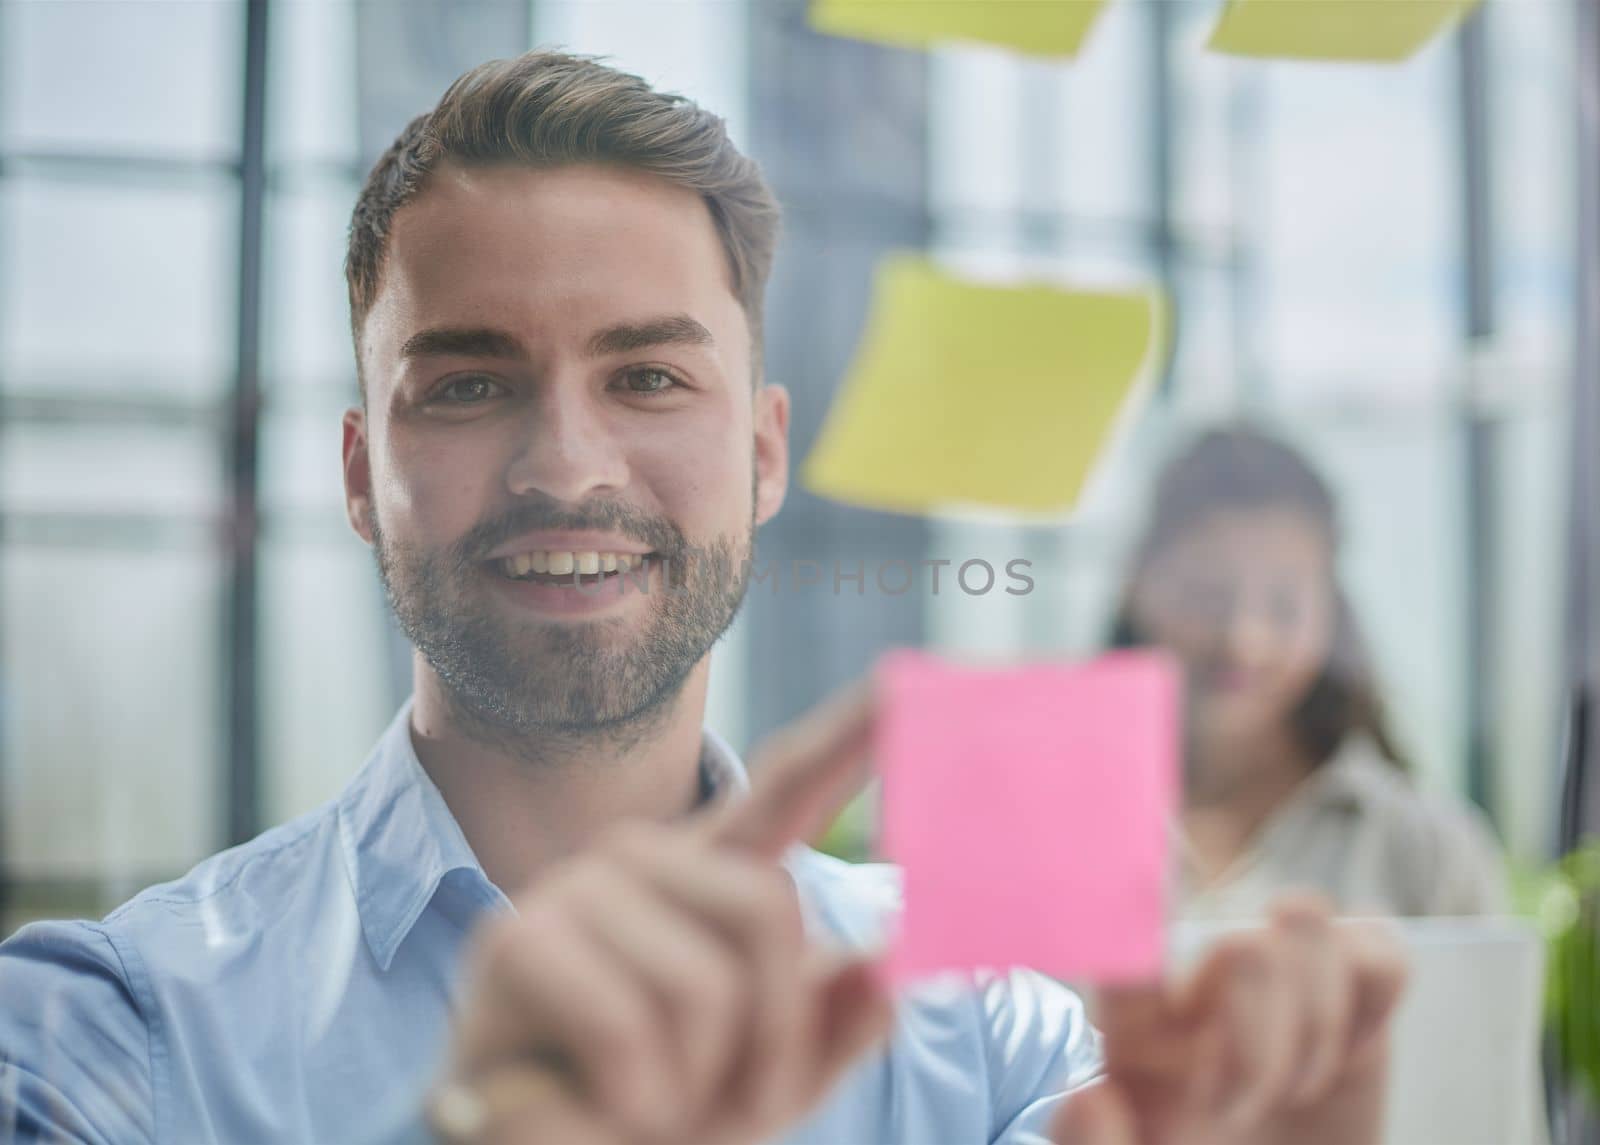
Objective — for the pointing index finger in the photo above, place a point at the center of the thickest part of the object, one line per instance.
(802, 777)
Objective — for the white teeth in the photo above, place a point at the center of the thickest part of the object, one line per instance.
(588, 562)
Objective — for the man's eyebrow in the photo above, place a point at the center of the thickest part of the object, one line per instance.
(463, 342)
(625, 337)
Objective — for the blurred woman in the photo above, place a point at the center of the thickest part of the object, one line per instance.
(1293, 779)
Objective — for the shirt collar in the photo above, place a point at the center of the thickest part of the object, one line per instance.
(400, 839)
(721, 769)
(1344, 782)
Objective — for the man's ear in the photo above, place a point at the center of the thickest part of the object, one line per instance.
(357, 473)
(772, 450)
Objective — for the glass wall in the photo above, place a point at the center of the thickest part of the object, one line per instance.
(119, 198)
(1321, 231)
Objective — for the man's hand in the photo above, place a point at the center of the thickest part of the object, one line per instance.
(1280, 1037)
(659, 987)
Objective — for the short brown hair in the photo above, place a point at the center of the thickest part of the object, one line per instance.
(546, 109)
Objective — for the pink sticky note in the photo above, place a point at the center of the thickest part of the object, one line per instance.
(1029, 809)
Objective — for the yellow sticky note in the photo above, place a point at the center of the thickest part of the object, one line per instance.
(1373, 30)
(974, 394)
(1038, 27)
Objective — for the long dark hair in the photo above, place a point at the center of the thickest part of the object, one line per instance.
(1239, 467)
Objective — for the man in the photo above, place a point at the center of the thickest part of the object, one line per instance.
(555, 282)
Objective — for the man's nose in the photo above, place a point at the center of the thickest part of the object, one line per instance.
(570, 450)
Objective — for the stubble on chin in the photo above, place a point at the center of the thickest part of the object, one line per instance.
(517, 682)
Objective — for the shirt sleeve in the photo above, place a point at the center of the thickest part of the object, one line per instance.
(1040, 1047)
(74, 1046)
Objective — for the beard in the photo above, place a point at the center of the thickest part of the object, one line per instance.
(512, 680)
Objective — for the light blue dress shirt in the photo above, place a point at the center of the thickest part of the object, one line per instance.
(298, 988)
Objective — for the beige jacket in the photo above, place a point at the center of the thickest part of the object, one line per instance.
(1358, 831)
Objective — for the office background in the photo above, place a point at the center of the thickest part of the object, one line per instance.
(1378, 261)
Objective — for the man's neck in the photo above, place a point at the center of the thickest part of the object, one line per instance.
(525, 805)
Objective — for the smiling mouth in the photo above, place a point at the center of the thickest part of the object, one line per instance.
(570, 567)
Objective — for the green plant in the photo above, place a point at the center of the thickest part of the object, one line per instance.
(1565, 900)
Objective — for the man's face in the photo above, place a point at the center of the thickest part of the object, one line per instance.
(558, 387)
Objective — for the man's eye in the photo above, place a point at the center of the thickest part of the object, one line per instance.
(648, 381)
(467, 391)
